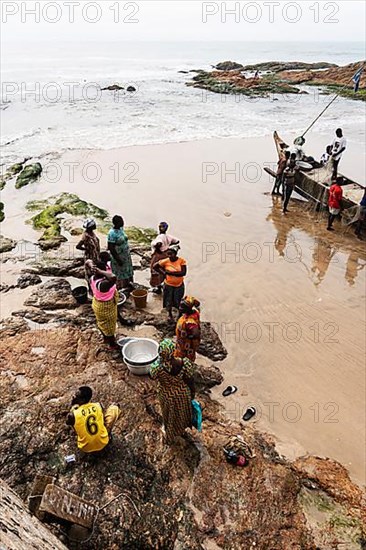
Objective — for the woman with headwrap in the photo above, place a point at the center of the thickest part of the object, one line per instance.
(174, 270)
(89, 242)
(121, 255)
(188, 330)
(159, 248)
(174, 376)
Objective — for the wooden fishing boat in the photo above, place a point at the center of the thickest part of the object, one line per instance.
(313, 184)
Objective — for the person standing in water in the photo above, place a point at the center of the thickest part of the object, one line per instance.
(361, 216)
(159, 248)
(334, 202)
(289, 178)
(338, 147)
(174, 270)
(281, 165)
(121, 255)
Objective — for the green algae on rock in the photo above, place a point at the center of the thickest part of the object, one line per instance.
(136, 235)
(11, 172)
(49, 218)
(139, 235)
(28, 175)
(234, 82)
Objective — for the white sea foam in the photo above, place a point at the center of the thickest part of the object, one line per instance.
(163, 109)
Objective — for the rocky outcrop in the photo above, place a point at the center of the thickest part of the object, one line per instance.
(280, 78)
(12, 326)
(113, 88)
(207, 377)
(28, 175)
(235, 82)
(57, 266)
(6, 245)
(28, 279)
(333, 79)
(181, 497)
(131, 89)
(53, 294)
(11, 172)
(278, 66)
(2, 213)
(229, 66)
(50, 210)
(19, 529)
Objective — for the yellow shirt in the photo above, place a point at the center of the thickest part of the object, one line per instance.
(89, 425)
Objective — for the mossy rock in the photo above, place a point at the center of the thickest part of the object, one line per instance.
(10, 173)
(16, 168)
(49, 218)
(2, 215)
(28, 175)
(139, 235)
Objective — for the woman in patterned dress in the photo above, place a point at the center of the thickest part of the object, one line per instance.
(121, 255)
(188, 330)
(105, 300)
(89, 242)
(174, 376)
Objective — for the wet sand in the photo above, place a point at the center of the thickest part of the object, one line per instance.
(287, 297)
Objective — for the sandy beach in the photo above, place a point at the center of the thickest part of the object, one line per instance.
(286, 297)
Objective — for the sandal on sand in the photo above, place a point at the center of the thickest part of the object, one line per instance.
(229, 391)
(249, 414)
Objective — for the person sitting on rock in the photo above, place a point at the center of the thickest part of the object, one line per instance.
(92, 426)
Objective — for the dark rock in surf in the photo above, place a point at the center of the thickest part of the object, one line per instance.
(28, 175)
(229, 66)
(112, 88)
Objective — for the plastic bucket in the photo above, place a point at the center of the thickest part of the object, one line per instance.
(80, 294)
(140, 298)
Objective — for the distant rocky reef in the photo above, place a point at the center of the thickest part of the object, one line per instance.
(273, 77)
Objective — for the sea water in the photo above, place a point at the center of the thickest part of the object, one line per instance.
(52, 99)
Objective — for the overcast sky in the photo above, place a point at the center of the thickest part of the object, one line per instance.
(304, 20)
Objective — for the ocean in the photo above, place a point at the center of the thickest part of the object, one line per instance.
(51, 98)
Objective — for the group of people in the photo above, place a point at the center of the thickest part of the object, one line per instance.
(287, 168)
(107, 272)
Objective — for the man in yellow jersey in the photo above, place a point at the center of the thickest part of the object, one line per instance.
(91, 425)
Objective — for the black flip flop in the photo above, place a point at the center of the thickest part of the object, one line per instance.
(249, 414)
(229, 391)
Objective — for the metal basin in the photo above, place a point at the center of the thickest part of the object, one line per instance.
(140, 352)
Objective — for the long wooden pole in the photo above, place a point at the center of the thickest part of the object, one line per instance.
(329, 104)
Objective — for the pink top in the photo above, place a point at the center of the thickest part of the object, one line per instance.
(102, 296)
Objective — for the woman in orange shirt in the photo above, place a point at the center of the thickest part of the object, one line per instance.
(174, 270)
